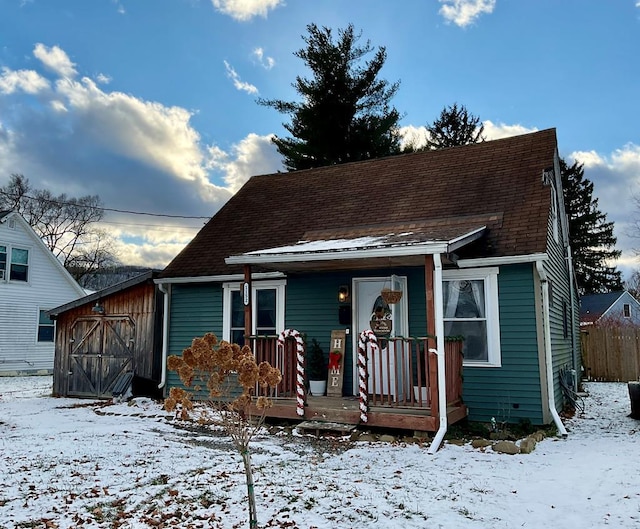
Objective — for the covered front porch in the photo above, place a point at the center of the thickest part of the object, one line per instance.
(398, 381)
(399, 387)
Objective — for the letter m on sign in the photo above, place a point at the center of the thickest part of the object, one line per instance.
(336, 363)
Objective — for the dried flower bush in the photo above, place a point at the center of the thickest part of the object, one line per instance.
(229, 377)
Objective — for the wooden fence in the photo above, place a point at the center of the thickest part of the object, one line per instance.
(611, 353)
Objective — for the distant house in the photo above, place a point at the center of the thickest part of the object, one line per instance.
(110, 337)
(611, 307)
(32, 281)
(472, 238)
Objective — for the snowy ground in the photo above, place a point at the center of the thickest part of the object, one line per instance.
(68, 463)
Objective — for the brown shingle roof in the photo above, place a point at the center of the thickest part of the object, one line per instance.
(498, 182)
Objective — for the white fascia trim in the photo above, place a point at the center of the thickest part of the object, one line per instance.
(417, 249)
(219, 279)
(497, 261)
(465, 239)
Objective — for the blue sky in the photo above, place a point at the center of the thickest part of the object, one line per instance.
(152, 105)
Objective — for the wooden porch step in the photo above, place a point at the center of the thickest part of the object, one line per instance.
(325, 427)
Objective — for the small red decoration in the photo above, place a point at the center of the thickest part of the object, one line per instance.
(334, 360)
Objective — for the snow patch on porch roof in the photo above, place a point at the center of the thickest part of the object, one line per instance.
(305, 246)
(416, 242)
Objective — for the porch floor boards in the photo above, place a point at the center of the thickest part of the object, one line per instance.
(346, 410)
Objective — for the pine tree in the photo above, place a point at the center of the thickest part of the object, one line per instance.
(455, 126)
(345, 114)
(590, 235)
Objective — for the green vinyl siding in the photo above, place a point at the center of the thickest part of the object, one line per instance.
(195, 310)
(511, 392)
(312, 307)
(561, 293)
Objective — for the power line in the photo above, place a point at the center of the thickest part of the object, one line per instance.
(157, 226)
(59, 203)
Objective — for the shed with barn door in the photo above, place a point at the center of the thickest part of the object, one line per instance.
(108, 336)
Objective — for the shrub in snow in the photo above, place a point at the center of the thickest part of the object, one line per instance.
(228, 376)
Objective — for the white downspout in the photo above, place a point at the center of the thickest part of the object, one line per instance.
(442, 381)
(165, 334)
(547, 349)
(574, 339)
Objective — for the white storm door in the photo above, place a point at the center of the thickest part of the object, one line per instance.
(367, 299)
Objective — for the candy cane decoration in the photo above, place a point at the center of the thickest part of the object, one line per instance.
(300, 393)
(366, 336)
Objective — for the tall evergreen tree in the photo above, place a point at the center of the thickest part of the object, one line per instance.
(345, 113)
(455, 126)
(590, 235)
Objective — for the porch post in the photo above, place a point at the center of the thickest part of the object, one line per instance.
(247, 301)
(431, 331)
(431, 309)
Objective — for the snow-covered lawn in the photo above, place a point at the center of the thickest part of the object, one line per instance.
(69, 463)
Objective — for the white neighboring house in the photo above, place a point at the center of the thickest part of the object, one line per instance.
(32, 281)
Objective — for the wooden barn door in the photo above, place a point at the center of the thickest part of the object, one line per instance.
(101, 348)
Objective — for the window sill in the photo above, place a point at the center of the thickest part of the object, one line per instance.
(481, 364)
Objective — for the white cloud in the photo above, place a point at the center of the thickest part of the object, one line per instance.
(254, 155)
(55, 59)
(26, 81)
(103, 78)
(464, 12)
(244, 10)
(58, 106)
(417, 136)
(239, 84)
(495, 131)
(266, 62)
(588, 158)
(155, 243)
(119, 7)
(413, 136)
(616, 180)
(157, 135)
(135, 154)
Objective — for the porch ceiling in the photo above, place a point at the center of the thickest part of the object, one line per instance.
(397, 244)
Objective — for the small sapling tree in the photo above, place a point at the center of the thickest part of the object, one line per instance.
(228, 376)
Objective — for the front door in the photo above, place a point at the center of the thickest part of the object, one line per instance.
(390, 320)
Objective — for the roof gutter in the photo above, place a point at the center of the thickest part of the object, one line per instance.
(224, 278)
(442, 379)
(505, 260)
(297, 257)
(547, 349)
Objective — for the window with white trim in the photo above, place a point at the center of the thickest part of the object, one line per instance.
(470, 305)
(14, 263)
(19, 265)
(46, 328)
(267, 310)
(626, 310)
(3, 261)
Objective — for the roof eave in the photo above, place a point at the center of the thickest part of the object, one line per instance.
(502, 260)
(338, 255)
